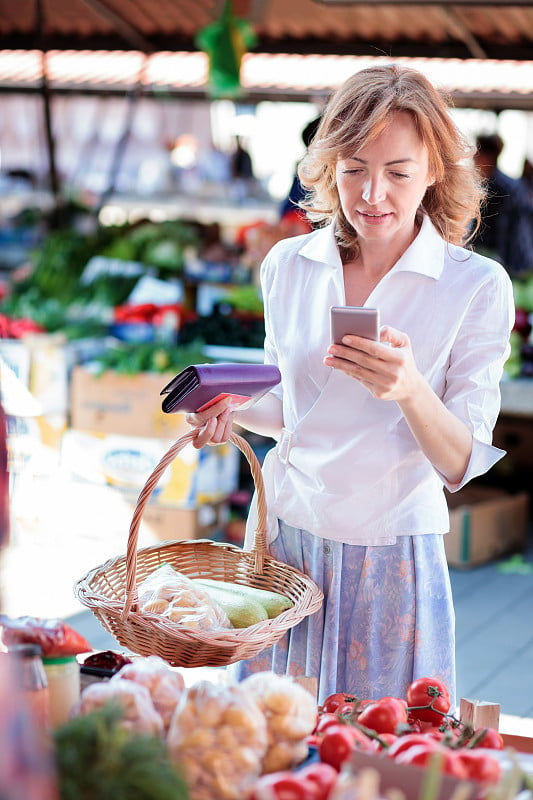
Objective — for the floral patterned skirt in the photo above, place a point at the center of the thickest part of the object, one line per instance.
(387, 616)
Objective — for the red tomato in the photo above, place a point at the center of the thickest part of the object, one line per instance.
(323, 775)
(332, 703)
(384, 715)
(422, 755)
(284, 785)
(414, 724)
(326, 721)
(447, 735)
(399, 700)
(339, 741)
(479, 766)
(385, 741)
(424, 692)
(419, 754)
(488, 738)
(409, 740)
(435, 733)
(453, 764)
(347, 709)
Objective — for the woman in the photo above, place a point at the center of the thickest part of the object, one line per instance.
(368, 433)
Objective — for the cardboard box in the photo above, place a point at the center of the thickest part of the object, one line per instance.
(485, 524)
(126, 462)
(515, 435)
(129, 405)
(48, 371)
(43, 363)
(17, 356)
(376, 775)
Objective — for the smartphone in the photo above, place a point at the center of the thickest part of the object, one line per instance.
(355, 320)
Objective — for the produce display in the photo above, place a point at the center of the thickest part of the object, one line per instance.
(418, 732)
(221, 739)
(262, 739)
(267, 739)
(80, 280)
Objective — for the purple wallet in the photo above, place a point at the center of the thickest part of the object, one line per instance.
(199, 386)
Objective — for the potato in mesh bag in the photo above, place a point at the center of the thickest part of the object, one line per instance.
(173, 596)
(164, 684)
(139, 714)
(291, 714)
(218, 737)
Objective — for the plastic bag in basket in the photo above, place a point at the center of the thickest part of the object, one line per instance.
(175, 597)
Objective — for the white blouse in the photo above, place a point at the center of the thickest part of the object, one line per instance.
(347, 466)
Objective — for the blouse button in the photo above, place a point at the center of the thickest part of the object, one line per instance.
(327, 549)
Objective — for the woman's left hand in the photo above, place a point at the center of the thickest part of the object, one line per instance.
(386, 368)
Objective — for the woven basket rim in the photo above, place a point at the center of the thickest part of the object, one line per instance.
(83, 588)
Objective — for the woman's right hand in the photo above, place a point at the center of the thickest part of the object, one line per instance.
(214, 425)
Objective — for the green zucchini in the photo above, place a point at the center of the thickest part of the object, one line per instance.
(241, 611)
(272, 602)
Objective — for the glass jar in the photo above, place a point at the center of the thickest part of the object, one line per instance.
(63, 676)
(32, 678)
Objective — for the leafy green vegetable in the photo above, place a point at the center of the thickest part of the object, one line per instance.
(74, 320)
(129, 359)
(160, 245)
(523, 292)
(58, 263)
(245, 298)
(98, 759)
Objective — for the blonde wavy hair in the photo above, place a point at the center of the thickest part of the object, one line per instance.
(355, 116)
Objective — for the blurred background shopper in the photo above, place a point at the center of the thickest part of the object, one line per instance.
(506, 229)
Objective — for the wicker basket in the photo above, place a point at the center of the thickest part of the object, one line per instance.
(110, 591)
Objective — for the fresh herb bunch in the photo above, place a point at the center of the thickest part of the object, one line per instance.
(98, 759)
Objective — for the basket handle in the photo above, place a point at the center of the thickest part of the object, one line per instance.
(259, 543)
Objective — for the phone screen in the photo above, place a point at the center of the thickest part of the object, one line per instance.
(359, 321)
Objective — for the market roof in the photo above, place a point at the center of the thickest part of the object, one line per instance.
(494, 29)
(484, 84)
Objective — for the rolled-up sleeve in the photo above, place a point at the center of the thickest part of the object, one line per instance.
(477, 359)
